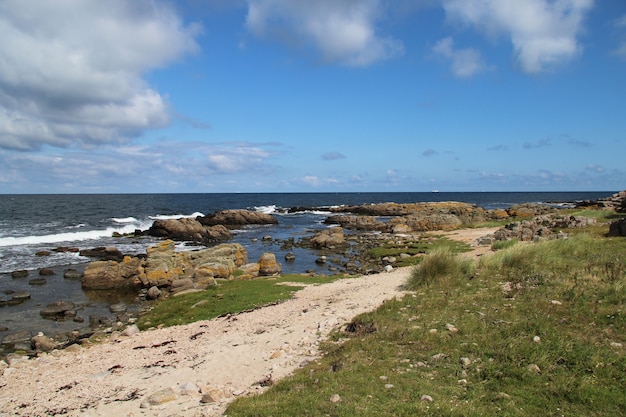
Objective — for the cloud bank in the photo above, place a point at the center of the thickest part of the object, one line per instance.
(343, 31)
(543, 33)
(71, 71)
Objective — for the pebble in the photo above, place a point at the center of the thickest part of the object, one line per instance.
(335, 398)
(160, 397)
(465, 362)
(556, 302)
(130, 330)
(534, 368)
(536, 339)
(427, 398)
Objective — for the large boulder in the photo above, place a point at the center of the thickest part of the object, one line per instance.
(107, 275)
(425, 223)
(268, 265)
(110, 253)
(237, 218)
(328, 238)
(356, 222)
(189, 230)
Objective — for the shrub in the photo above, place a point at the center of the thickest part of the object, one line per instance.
(440, 265)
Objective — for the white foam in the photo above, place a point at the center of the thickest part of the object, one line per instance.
(176, 216)
(266, 209)
(125, 220)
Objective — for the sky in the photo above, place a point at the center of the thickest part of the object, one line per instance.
(157, 96)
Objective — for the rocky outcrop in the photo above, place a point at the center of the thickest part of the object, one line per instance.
(356, 222)
(165, 269)
(189, 230)
(328, 238)
(615, 202)
(541, 228)
(236, 218)
(104, 254)
(425, 223)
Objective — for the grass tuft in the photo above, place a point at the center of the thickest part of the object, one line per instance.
(439, 266)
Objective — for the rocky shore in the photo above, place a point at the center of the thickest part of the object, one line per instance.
(162, 271)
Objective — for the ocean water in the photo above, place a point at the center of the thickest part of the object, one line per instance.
(32, 223)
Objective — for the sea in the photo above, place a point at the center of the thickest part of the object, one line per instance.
(34, 223)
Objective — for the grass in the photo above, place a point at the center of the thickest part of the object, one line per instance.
(228, 297)
(538, 330)
(423, 245)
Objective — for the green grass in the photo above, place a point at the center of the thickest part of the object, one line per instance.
(423, 245)
(536, 331)
(229, 297)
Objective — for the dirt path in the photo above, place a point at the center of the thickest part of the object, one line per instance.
(196, 369)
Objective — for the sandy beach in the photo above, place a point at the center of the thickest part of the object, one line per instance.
(195, 369)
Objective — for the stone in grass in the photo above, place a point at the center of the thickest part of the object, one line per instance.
(427, 398)
(335, 398)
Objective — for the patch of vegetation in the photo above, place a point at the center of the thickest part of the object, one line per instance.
(503, 244)
(423, 245)
(229, 297)
(539, 330)
(441, 265)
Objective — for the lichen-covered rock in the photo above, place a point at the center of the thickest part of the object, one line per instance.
(268, 265)
(618, 228)
(356, 222)
(105, 275)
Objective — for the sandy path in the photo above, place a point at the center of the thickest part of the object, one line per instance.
(221, 358)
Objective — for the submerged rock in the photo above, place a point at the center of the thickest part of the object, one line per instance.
(58, 309)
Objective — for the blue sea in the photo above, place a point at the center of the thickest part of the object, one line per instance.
(33, 223)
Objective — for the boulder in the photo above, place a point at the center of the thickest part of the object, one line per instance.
(268, 265)
(72, 274)
(57, 309)
(110, 253)
(418, 222)
(189, 230)
(328, 238)
(153, 293)
(618, 228)
(106, 275)
(43, 343)
(19, 274)
(361, 222)
(237, 218)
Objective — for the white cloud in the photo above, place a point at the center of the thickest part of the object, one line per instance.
(543, 33)
(465, 62)
(71, 70)
(343, 31)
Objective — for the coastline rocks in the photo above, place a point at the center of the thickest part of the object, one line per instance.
(163, 267)
(329, 238)
(189, 230)
(42, 343)
(541, 228)
(19, 274)
(426, 223)
(356, 222)
(17, 341)
(236, 218)
(72, 274)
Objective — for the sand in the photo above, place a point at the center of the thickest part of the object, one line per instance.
(196, 369)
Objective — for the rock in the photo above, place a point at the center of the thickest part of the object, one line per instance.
(20, 296)
(618, 228)
(268, 265)
(427, 398)
(328, 238)
(130, 330)
(236, 218)
(57, 309)
(117, 308)
(42, 253)
(21, 338)
(72, 274)
(356, 222)
(188, 388)
(19, 274)
(160, 397)
(183, 284)
(290, 257)
(388, 268)
(43, 343)
(46, 272)
(106, 275)
(188, 229)
(335, 398)
(153, 293)
(38, 281)
(104, 254)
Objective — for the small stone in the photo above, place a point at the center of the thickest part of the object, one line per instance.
(427, 398)
(72, 274)
(462, 382)
(130, 330)
(536, 339)
(451, 328)
(189, 388)
(432, 331)
(38, 281)
(388, 386)
(556, 302)
(383, 378)
(335, 398)
(276, 354)
(388, 268)
(43, 343)
(465, 362)
(616, 344)
(160, 397)
(46, 272)
(438, 356)
(117, 308)
(19, 274)
(534, 368)
(153, 293)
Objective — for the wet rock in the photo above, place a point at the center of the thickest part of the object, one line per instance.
(237, 218)
(57, 309)
(19, 274)
(290, 257)
(18, 340)
(72, 274)
(46, 272)
(117, 308)
(329, 238)
(38, 281)
(20, 296)
(104, 254)
(42, 253)
(189, 230)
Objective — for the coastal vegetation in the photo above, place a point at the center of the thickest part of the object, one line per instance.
(534, 329)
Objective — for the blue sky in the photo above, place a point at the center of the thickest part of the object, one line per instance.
(130, 96)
